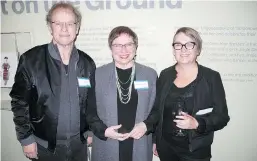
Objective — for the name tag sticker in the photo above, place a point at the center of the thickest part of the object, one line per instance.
(84, 82)
(204, 111)
(141, 84)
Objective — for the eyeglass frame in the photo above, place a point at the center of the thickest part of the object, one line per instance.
(120, 46)
(61, 24)
(194, 44)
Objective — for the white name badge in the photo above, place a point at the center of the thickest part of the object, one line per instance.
(141, 84)
(84, 82)
(204, 111)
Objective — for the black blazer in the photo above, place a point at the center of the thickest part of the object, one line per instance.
(208, 93)
(36, 96)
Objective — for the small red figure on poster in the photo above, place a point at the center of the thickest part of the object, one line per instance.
(5, 67)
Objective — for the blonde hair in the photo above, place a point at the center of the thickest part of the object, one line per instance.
(193, 34)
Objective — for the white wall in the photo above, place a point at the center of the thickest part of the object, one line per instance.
(10, 147)
(229, 32)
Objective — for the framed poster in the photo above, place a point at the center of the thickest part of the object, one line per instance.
(13, 44)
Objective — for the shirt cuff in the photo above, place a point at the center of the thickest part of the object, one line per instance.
(27, 141)
(88, 134)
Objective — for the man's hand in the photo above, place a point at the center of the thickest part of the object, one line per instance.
(111, 132)
(155, 150)
(89, 140)
(138, 131)
(30, 151)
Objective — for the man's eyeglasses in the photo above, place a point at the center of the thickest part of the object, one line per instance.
(188, 45)
(128, 46)
(62, 24)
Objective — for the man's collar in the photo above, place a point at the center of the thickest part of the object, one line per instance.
(54, 51)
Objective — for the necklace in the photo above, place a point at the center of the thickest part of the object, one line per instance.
(123, 82)
(123, 96)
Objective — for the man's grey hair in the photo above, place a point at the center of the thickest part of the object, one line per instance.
(64, 5)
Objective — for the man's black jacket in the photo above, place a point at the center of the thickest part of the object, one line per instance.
(36, 96)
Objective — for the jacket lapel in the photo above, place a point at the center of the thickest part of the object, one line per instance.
(111, 93)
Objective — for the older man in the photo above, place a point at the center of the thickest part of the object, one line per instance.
(52, 102)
